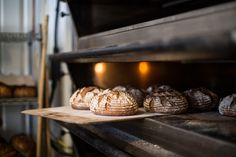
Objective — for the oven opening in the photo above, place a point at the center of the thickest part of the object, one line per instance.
(218, 77)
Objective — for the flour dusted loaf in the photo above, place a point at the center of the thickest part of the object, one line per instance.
(201, 99)
(114, 103)
(81, 98)
(164, 99)
(227, 105)
(137, 94)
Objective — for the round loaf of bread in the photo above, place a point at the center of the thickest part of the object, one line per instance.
(81, 98)
(114, 103)
(227, 105)
(25, 91)
(24, 145)
(201, 99)
(136, 93)
(5, 91)
(165, 100)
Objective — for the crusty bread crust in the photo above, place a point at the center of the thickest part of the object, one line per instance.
(81, 99)
(201, 99)
(114, 103)
(137, 94)
(165, 100)
(227, 105)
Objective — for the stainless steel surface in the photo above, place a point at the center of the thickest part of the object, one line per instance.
(213, 19)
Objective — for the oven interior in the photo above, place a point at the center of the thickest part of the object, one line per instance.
(219, 77)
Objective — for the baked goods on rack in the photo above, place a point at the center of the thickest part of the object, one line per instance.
(227, 105)
(201, 99)
(24, 91)
(5, 91)
(81, 98)
(164, 99)
(24, 144)
(6, 150)
(114, 103)
(136, 93)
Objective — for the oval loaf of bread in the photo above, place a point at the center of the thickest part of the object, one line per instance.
(114, 103)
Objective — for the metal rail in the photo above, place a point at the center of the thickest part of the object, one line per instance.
(15, 37)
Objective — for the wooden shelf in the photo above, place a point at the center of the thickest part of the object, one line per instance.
(18, 101)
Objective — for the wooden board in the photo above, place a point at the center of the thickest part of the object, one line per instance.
(69, 115)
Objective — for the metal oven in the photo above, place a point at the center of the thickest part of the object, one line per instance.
(182, 43)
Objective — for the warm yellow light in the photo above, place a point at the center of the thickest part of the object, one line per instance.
(99, 68)
(143, 67)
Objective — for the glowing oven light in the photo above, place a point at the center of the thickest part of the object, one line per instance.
(143, 67)
(100, 68)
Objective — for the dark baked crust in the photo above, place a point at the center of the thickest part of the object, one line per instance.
(25, 91)
(227, 105)
(24, 145)
(201, 99)
(81, 98)
(114, 103)
(7, 150)
(5, 91)
(165, 100)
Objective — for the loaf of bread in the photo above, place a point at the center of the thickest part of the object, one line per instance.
(24, 145)
(114, 103)
(7, 150)
(166, 100)
(227, 105)
(81, 98)
(201, 99)
(136, 93)
(25, 91)
(5, 91)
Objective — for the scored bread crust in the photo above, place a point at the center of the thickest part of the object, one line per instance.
(81, 99)
(166, 100)
(201, 99)
(227, 105)
(114, 103)
(137, 94)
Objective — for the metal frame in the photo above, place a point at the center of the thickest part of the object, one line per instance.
(204, 34)
(156, 137)
(219, 18)
(115, 142)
